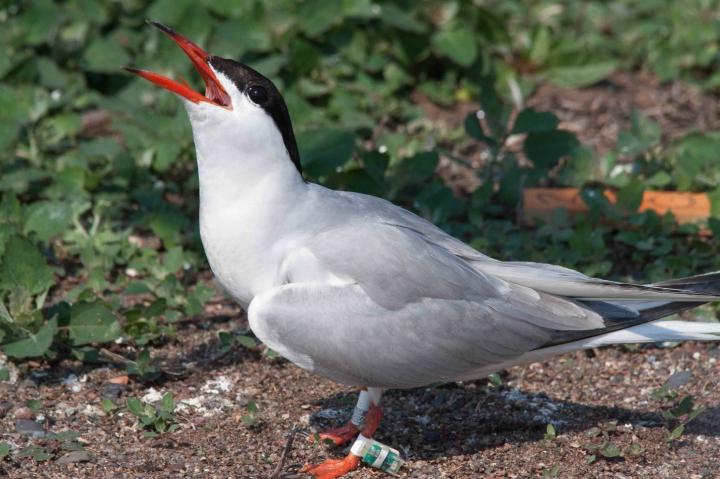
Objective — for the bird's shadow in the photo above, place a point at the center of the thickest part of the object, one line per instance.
(431, 423)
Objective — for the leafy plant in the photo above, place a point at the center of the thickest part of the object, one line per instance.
(603, 445)
(155, 420)
(5, 449)
(678, 411)
(36, 453)
(251, 418)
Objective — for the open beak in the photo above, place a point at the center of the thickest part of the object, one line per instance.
(214, 91)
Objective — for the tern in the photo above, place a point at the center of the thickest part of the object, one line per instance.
(361, 291)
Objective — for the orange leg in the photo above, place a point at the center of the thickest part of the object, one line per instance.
(372, 421)
(334, 468)
(338, 436)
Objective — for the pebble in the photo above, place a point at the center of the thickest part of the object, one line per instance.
(24, 413)
(5, 407)
(30, 428)
(152, 395)
(75, 456)
(678, 379)
(113, 390)
(26, 384)
(329, 414)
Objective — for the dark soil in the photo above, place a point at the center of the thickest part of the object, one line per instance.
(450, 431)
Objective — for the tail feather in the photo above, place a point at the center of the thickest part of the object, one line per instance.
(622, 315)
(658, 331)
(708, 283)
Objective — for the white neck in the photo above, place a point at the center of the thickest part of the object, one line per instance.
(247, 196)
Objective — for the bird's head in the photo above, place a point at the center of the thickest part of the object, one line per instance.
(241, 112)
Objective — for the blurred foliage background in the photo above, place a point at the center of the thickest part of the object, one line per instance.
(98, 209)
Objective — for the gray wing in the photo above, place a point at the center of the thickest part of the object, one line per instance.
(379, 305)
(386, 299)
(548, 278)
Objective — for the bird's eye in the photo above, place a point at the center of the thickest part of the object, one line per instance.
(257, 94)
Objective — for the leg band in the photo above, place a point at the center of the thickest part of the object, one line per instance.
(361, 409)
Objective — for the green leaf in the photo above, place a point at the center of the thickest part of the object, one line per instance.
(24, 267)
(106, 55)
(676, 433)
(241, 34)
(168, 403)
(323, 151)
(108, 405)
(457, 43)
(36, 452)
(35, 344)
(5, 315)
(547, 147)
(581, 75)
(395, 16)
(474, 129)
(540, 46)
(68, 435)
(530, 120)
(135, 406)
(316, 16)
(4, 373)
(495, 379)
(610, 450)
(550, 432)
(48, 219)
(635, 449)
(246, 341)
(643, 134)
(5, 449)
(685, 406)
(715, 203)
(630, 196)
(92, 323)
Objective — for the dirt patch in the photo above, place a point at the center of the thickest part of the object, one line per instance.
(598, 113)
(455, 430)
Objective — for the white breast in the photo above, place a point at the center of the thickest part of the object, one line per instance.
(245, 229)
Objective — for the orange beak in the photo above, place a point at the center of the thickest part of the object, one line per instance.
(214, 91)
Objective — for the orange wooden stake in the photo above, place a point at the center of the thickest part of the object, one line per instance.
(119, 379)
(540, 203)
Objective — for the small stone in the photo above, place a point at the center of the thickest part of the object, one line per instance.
(152, 395)
(30, 428)
(64, 409)
(678, 379)
(91, 410)
(5, 407)
(113, 390)
(329, 414)
(24, 413)
(26, 384)
(75, 456)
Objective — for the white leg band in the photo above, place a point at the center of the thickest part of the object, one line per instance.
(361, 409)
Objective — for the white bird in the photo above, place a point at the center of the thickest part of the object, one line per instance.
(368, 294)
